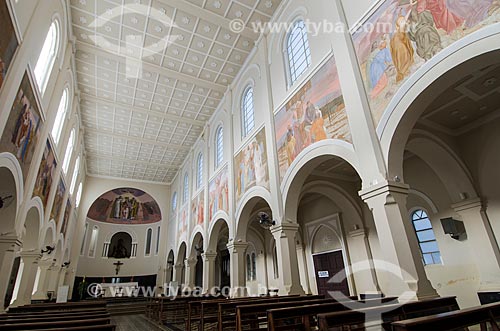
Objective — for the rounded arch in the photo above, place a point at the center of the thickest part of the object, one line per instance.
(323, 229)
(170, 257)
(11, 176)
(214, 231)
(421, 88)
(32, 225)
(120, 245)
(424, 197)
(181, 253)
(130, 232)
(248, 202)
(48, 234)
(197, 237)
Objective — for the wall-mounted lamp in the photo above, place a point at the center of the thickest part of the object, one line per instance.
(66, 264)
(6, 200)
(48, 249)
(265, 220)
(454, 228)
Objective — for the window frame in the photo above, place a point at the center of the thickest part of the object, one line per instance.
(291, 67)
(425, 216)
(219, 146)
(247, 112)
(75, 176)
(199, 170)
(52, 53)
(185, 189)
(68, 154)
(62, 112)
(147, 245)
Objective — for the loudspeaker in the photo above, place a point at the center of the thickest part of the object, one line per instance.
(453, 227)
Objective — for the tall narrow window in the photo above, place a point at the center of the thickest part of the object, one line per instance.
(47, 57)
(82, 247)
(219, 146)
(62, 110)
(93, 241)
(249, 268)
(185, 192)
(426, 238)
(75, 176)
(247, 112)
(298, 51)
(174, 202)
(199, 171)
(78, 195)
(157, 241)
(149, 236)
(69, 151)
(254, 267)
(275, 263)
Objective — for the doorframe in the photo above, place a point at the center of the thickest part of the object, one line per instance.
(343, 261)
(332, 222)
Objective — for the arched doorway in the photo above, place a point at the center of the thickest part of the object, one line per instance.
(445, 147)
(170, 267)
(120, 246)
(218, 253)
(195, 262)
(180, 269)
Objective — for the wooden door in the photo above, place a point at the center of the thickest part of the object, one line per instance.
(326, 266)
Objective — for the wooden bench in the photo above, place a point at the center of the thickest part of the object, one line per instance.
(253, 316)
(304, 317)
(453, 320)
(43, 319)
(52, 313)
(58, 306)
(355, 320)
(56, 324)
(104, 327)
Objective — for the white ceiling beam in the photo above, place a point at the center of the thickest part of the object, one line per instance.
(87, 48)
(168, 117)
(208, 16)
(124, 160)
(138, 139)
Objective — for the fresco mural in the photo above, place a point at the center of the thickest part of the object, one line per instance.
(8, 41)
(316, 112)
(406, 34)
(67, 212)
(198, 209)
(125, 206)
(251, 168)
(45, 175)
(183, 222)
(218, 194)
(23, 127)
(55, 212)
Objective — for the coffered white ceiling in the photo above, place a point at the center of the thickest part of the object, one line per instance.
(142, 126)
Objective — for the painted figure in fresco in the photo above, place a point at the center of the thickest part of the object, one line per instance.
(443, 17)
(200, 212)
(377, 66)
(2, 71)
(117, 207)
(318, 130)
(260, 170)
(299, 132)
(424, 33)
(401, 49)
(471, 11)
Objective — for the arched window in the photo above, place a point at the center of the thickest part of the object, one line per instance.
(174, 202)
(247, 112)
(254, 267)
(62, 110)
(298, 51)
(199, 171)
(219, 146)
(69, 151)
(157, 241)
(82, 247)
(47, 57)
(275, 263)
(78, 195)
(426, 238)
(93, 241)
(249, 268)
(185, 192)
(75, 175)
(149, 236)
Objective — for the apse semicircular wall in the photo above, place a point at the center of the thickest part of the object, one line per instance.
(125, 206)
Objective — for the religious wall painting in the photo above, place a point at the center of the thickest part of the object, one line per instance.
(23, 127)
(315, 113)
(57, 205)
(218, 194)
(402, 35)
(65, 222)
(198, 209)
(45, 175)
(183, 222)
(8, 42)
(251, 166)
(125, 206)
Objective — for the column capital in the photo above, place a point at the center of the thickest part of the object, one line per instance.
(358, 233)
(12, 240)
(190, 261)
(209, 256)
(383, 188)
(30, 255)
(235, 247)
(285, 227)
(467, 204)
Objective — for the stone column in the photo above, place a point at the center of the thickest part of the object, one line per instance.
(209, 271)
(399, 247)
(43, 279)
(237, 272)
(288, 264)
(54, 278)
(482, 242)
(365, 280)
(190, 275)
(26, 279)
(304, 276)
(9, 246)
(177, 278)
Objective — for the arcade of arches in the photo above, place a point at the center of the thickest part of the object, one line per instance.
(259, 169)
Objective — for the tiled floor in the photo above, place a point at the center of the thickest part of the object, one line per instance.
(135, 323)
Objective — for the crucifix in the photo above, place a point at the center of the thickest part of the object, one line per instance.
(118, 264)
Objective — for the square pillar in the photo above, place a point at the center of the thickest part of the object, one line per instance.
(42, 286)
(366, 281)
(190, 264)
(399, 247)
(288, 264)
(9, 247)
(237, 261)
(26, 279)
(209, 272)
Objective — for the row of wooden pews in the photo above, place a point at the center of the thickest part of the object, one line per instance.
(71, 316)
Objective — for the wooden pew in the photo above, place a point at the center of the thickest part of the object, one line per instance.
(56, 324)
(104, 327)
(346, 320)
(57, 306)
(52, 313)
(453, 320)
(304, 317)
(252, 316)
(43, 319)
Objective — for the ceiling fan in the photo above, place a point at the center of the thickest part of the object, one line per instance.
(6, 199)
